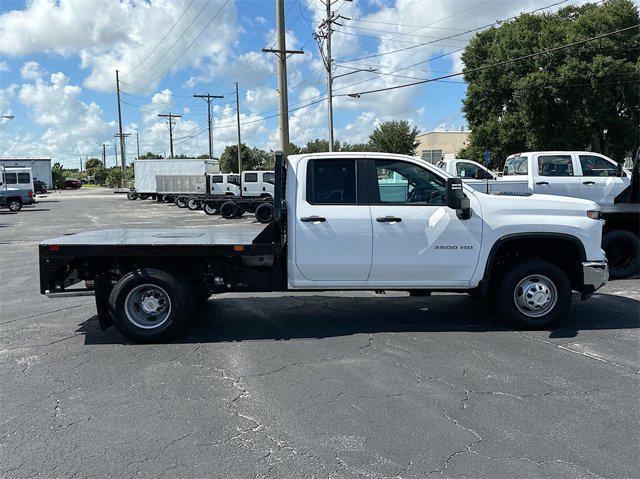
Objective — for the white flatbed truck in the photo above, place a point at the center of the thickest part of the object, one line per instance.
(332, 230)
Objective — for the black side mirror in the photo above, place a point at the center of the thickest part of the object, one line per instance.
(619, 170)
(456, 199)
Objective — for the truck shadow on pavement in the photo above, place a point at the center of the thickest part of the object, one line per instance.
(251, 318)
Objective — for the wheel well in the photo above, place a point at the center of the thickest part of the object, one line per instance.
(566, 252)
(14, 198)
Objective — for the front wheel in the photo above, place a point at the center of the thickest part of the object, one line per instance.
(193, 204)
(14, 205)
(181, 202)
(622, 249)
(534, 294)
(150, 305)
(229, 210)
(132, 196)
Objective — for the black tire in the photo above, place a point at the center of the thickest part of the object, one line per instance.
(229, 210)
(533, 275)
(177, 298)
(210, 209)
(622, 249)
(193, 204)
(264, 213)
(132, 196)
(181, 202)
(14, 205)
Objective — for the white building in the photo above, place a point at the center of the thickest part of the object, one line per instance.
(40, 167)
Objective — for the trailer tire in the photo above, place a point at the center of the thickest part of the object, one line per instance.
(229, 210)
(149, 305)
(534, 294)
(264, 213)
(181, 202)
(210, 209)
(193, 204)
(132, 196)
(622, 249)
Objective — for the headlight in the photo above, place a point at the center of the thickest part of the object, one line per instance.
(594, 214)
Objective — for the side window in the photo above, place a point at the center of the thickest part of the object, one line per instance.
(465, 169)
(251, 177)
(216, 179)
(555, 165)
(518, 165)
(596, 166)
(11, 178)
(331, 182)
(400, 182)
(269, 178)
(234, 179)
(24, 178)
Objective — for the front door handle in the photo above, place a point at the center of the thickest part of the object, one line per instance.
(588, 182)
(542, 183)
(388, 219)
(313, 219)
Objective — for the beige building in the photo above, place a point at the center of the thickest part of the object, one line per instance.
(435, 145)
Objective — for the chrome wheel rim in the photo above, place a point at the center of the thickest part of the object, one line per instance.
(535, 295)
(147, 306)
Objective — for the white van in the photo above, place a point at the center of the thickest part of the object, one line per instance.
(20, 178)
(227, 184)
(258, 183)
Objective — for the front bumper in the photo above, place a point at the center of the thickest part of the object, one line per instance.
(595, 274)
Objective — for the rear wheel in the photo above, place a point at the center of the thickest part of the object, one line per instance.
(210, 209)
(14, 205)
(534, 294)
(149, 305)
(132, 196)
(622, 249)
(181, 202)
(264, 213)
(193, 204)
(229, 210)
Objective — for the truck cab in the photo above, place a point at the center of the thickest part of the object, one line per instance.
(227, 184)
(258, 183)
(580, 174)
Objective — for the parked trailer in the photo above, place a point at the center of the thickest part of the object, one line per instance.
(172, 187)
(147, 170)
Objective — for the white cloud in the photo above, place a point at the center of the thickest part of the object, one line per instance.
(4, 67)
(31, 71)
(110, 34)
(260, 20)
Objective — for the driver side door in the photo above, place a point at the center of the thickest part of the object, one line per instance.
(417, 240)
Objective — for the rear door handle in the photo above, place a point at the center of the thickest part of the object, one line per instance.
(588, 182)
(542, 183)
(313, 219)
(388, 219)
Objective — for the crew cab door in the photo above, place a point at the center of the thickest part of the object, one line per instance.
(417, 239)
(555, 174)
(600, 183)
(332, 221)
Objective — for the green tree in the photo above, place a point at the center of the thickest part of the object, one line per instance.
(100, 176)
(92, 164)
(583, 97)
(57, 174)
(114, 177)
(150, 156)
(252, 159)
(394, 137)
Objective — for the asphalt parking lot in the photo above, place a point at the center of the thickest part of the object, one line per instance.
(305, 385)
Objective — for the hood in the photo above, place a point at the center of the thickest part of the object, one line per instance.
(536, 203)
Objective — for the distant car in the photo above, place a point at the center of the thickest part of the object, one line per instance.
(73, 184)
(39, 186)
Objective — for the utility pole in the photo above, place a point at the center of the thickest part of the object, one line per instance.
(122, 155)
(137, 146)
(122, 137)
(239, 140)
(115, 149)
(208, 98)
(170, 116)
(104, 155)
(324, 31)
(283, 99)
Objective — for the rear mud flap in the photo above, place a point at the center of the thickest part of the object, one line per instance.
(102, 286)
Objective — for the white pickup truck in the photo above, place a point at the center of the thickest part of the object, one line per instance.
(480, 178)
(335, 228)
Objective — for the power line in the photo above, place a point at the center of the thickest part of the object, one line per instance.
(161, 40)
(493, 65)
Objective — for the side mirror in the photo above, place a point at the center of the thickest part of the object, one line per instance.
(456, 199)
(619, 170)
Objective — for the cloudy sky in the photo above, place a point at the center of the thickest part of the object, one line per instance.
(58, 60)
